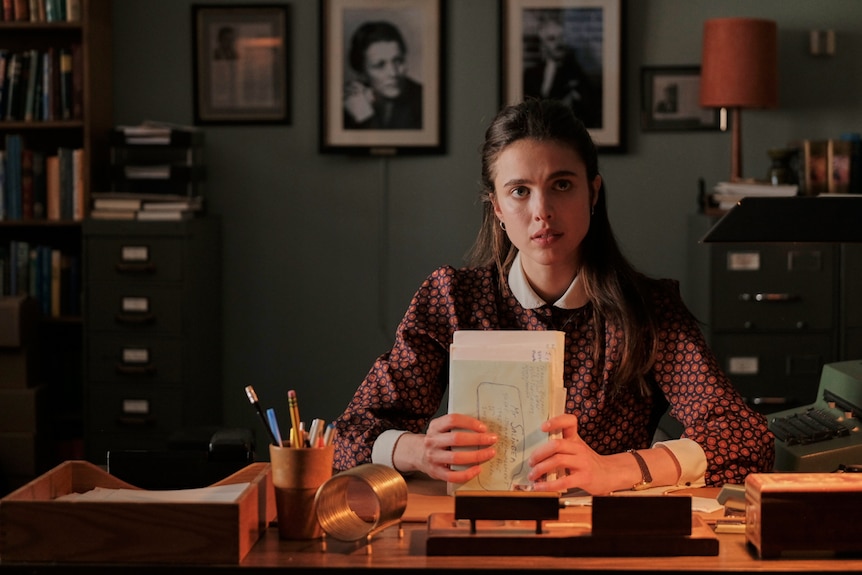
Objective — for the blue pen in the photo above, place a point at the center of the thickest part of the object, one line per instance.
(329, 434)
(273, 425)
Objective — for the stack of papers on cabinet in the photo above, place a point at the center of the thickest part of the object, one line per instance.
(727, 194)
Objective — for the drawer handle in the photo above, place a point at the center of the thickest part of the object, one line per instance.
(769, 400)
(135, 318)
(126, 369)
(767, 297)
(136, 268)
(127, 421)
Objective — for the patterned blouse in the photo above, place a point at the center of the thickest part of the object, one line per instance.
(405, 386)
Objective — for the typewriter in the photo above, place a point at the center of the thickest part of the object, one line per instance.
(824, 436)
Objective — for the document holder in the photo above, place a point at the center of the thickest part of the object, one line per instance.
(647, 526)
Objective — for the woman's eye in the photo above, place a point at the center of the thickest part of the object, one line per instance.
(520, 192)
(563, 185)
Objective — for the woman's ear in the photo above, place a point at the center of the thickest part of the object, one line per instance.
(596, 189)
(495, 206)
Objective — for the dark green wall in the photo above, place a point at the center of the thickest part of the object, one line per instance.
(322, 252)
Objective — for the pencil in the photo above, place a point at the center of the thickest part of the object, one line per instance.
(293, 405)
(252, 398)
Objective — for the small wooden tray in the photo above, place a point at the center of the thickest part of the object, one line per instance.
(35, 528)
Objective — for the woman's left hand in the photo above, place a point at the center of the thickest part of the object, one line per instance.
(576, 464)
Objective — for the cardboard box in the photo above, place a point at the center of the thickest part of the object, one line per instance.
(800, 514)
(23, 409)
(34, 528)
(18, 316)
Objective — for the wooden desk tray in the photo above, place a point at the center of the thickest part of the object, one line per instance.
(569, 536)
(36, 529)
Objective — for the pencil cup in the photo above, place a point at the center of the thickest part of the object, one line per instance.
(297, 473)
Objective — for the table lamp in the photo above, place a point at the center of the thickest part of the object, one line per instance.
(739, 70)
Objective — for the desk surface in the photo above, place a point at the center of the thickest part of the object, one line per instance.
(389, 551)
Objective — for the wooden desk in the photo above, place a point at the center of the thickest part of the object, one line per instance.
(391, 554)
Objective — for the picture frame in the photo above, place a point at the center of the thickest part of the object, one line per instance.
(363, 111)
(587, 38)
(670, 100)
(241, 63)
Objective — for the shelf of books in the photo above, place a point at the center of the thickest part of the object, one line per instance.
(157, 173)
(55, 116)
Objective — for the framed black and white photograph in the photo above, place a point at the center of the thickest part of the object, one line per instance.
(382, 76)
(241, 63)
(569, 50)
(670, 100)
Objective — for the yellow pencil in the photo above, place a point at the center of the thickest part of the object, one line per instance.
(293, 406)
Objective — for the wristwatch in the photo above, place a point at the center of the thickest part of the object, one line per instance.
(646, 481)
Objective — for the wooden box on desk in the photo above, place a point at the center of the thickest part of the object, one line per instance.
(797, 514)
(36, 529)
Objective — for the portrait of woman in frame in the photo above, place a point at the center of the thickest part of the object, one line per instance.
(382, 76)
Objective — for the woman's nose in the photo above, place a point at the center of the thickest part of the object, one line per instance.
(542, 208)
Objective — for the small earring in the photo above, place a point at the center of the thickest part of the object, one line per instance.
(593, 211)
(502, 225)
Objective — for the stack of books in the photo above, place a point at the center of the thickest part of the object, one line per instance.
(120, 206)
(157, 173)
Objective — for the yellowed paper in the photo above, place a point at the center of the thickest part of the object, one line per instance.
(513, 382)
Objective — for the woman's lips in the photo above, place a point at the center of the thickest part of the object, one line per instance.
(546, 236)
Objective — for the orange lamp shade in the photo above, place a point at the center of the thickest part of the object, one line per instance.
(739, 67)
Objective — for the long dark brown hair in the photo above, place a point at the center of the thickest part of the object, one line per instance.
(614, 287)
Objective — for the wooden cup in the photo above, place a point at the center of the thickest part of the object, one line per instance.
(297, 473)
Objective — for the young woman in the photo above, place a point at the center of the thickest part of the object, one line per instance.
(546, 258)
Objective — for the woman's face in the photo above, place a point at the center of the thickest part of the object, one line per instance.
(543, 196)
(384, 68)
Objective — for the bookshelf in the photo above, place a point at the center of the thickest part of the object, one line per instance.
(43, 129)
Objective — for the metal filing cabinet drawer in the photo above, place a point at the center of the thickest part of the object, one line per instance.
(136, 359)
(131, 408)
(137, 259)
(773, 287)
(135, 308)
(774, 371)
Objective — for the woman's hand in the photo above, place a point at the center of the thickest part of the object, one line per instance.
(576, 464)
(437, 451)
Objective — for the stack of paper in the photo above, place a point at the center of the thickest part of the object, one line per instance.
(727, 194)
(513, 382)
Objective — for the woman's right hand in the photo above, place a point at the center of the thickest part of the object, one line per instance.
(452, 449)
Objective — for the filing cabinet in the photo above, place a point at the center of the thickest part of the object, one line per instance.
(152, 332)
(774, 313)
(851, 294)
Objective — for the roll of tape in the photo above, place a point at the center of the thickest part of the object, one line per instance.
(360, 501)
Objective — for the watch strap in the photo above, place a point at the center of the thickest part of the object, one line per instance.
(646, 476)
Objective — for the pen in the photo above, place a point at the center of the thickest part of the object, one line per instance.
(315, 434)
(293, 405)
(273, 425)
(329, 434)
(252, 398)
